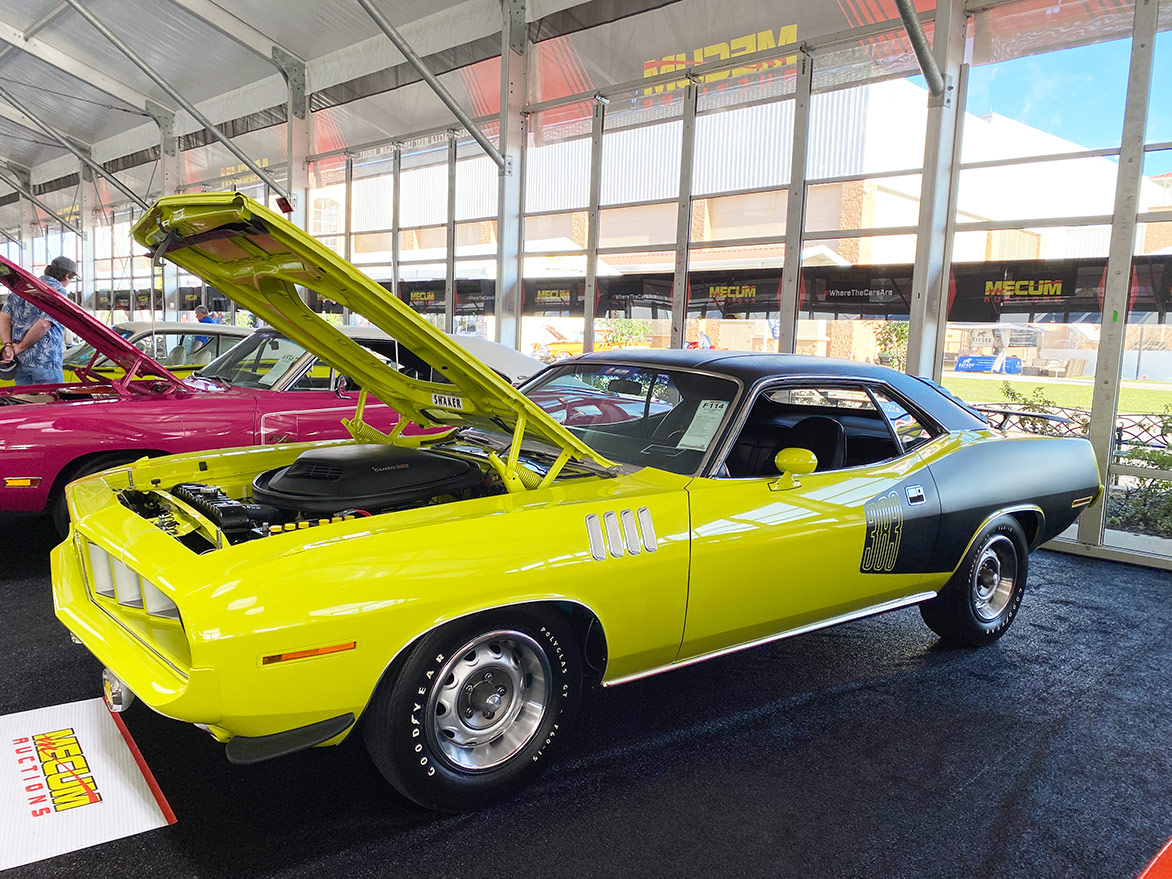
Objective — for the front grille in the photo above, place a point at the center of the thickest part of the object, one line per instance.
(110, 578)
(137, 604)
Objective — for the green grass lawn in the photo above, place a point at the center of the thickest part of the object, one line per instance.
(1145, 397)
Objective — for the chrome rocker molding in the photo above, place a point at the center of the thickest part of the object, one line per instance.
(800, 630)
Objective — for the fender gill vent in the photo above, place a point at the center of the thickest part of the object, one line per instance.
(626, 532)
(594, 533)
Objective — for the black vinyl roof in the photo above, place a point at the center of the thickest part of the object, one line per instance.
(750, 368)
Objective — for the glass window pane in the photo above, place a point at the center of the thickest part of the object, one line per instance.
(875, 127)
(557, 163)
(476, 239)
(373, 193)
(1038, 189)
(556, 232)
(1155, 191)
(372, 247)
(1042, 242)
(1043, 104)
(427, 243)
(863, 204)
(424, 181)
(752, 215)
(744, 148)
(638, 226)
(476, 183)
(634, 308)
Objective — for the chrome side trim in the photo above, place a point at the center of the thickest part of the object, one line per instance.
(648, 527)
(597, 541)
(630, 532)
(801, 630)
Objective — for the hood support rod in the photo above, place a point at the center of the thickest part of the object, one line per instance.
(187, 105)
(431, 79)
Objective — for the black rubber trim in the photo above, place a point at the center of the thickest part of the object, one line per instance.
(243, 750)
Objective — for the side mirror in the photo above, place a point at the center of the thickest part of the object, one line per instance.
(791, 462)
(340, 386)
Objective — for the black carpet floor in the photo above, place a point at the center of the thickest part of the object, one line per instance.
(864, 750)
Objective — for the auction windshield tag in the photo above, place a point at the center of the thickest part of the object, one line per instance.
(448, 401)
(704, 425)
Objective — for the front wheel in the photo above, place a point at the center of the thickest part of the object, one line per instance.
(477, 710)
(977, 605)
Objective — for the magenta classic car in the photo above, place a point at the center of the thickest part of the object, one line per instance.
(267, 389)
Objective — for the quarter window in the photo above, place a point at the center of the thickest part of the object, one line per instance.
(843, 425)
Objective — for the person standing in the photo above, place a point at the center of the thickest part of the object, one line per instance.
(28, 335)
(201, 315)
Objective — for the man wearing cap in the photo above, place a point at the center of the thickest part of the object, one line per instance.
(35, 340)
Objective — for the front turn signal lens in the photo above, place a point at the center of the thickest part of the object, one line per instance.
(305, 654)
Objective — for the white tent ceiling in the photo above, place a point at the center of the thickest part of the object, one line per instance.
(207, 66)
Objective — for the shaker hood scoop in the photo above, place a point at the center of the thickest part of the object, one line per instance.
(259, 259)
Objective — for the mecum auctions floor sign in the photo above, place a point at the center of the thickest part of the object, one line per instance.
(71, 777)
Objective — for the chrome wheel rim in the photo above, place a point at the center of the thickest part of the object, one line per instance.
(994, 578)
(489, 701)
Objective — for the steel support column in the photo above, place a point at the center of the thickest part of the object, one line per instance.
(169, 181)
(88, 206)
(795, 208)
(593, 223)
(962, 84)
(930, 274)
(396, 214)
(679, 285)
(297, 133)
(450, 240)
(514, 45)
(348, 224)
(1112, 335)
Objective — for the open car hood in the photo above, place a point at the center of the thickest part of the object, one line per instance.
(73, 317)
(258, 258)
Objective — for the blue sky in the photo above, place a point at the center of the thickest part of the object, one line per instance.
(1078, 94)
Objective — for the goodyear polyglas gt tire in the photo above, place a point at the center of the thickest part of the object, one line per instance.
(977, 605)
(477, 710)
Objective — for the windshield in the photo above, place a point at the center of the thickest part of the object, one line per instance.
(644, 416)
(257, 362)
(81, 354)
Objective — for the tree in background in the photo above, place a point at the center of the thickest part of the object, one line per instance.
(891, 337)
(623, 332)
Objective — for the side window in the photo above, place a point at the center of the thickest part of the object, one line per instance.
(907, 426)
(841, 425)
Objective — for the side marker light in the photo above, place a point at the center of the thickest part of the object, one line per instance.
(305, 654)
(21, 481)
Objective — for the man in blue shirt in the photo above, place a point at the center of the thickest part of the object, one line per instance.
(201, 315)
(34, 339)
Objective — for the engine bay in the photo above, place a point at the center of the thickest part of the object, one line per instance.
(322, 486)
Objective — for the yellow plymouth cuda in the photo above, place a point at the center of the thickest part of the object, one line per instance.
(446, 589)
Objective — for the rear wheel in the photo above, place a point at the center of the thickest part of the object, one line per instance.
(477, 710)
(977, 605)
